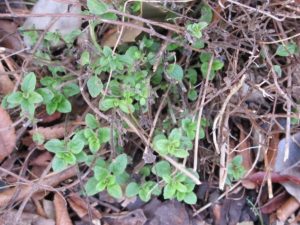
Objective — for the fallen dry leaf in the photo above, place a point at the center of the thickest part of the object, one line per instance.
(7, 135)
(26, 219)
(80, 206)
(61, 210)
(9, 35)
(129, 35)
(6, 84)
(287, 209)
(56, 131)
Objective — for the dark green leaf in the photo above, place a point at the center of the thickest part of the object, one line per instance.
(175, 71)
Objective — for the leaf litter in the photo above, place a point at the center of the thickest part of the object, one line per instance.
(242, 59)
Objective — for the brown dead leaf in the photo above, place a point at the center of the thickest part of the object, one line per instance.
(61, 210)
(56, 131)
(9, 36)
(81, 208)
(8, 218)
(7, 135)
(6, 85)
(42, 159)
(129, 35)
(287, 209)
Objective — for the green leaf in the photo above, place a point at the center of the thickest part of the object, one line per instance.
(217, 64)
(95, 86)
(94, 144)
(206, 14)
(71, 90)
(115, 191)
(29, 82)
(101, 173)
(162, 168)
(277, 70)
(161, 146)
(119, 164)
(192, 75)
(51, 107)
(204, 71)
(169, 191)
(125, 107)
(175, 71)
(70, 37)
(195, 29)
(205, 57)
(180, 187)
(91, 187)
(175, 134)
(190, 198)
(192, 95)
(181, 153)
(27, 106)
(85, 58)
(58, 164)
(46, 94)
(75, 146)
(104, 134)
(38, 138)
(108, 103)
(34, 97)
(287, 50)
(132, 189)
(55, 145)
(64, 106)
(97, 7)
(15, 98)
(91, 121)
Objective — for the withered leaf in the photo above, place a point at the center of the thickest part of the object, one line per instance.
(7, 135)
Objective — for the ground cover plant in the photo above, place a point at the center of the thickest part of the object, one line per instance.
(181, 102)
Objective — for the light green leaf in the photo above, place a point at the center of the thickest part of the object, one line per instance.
(64, 106)
(91, 121)
(108, 103)
(85, 58)
(175, 134)
(75, 146)
(29, 82)
(71, 90)
(119, 164)
(181, 153)
(169, 191)
(190, 198)
(175, 71)
(55, 145)
(115, 191)
(217, 64)
(15, 98)
(94, 144)
(97, 7)
(38, 138)
(162, 146)
(278, 70)
(287, 50)
(104, 134)
(162, 168)
(95, 86)
(46, 94)
(34, 97)
(91, 187)
(132, 189)
(101, 173)
(206, 14)
(51, 107)
(125, 107)
(58, 164)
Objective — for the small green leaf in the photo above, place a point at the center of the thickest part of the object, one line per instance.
(91, 187)
(70, 37)
(34, 97)
(38, 138)
(94, 144)
(27, 106)
(101, 173)
(126, 108)
(108, 103)
(287, 50)
(192, 95)
(132, 189)
(204, 71)
(85, 58)
(55, 145)
(29, 82)
(162, 146)
(119, 164)
(195, 29)
(192, 75)
(175, 71)
(217, 64)
(206, 14)
(91, 121)
(190, 198)
(161, 169)
(64, 106)
(95, 86)
(205, 57)
(46, 94)
(75, 146)
(181, 153)
(15, 98)
(175, 134)
(97, 7)
(169, 191)
(51, 107)
(58, 164)
(115, 191)
(278, 70)
(104, 134)
(71, 90)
